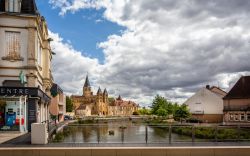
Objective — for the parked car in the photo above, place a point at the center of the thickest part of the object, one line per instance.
(67, 117)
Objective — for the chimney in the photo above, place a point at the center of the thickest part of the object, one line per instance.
(207, 86)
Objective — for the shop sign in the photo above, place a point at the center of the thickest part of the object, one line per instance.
(13, 91)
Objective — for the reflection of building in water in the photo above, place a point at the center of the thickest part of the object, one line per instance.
(87, 133)
(89, 104)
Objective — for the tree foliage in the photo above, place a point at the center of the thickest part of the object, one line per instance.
(162, 107)
(144, 111)
(181, 112)
(69, 104)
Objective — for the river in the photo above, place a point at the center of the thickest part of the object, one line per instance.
(124, 132)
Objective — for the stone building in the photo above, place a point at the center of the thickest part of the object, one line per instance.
(99, 104)
(25, 57)
(237, 102)
(120, 107)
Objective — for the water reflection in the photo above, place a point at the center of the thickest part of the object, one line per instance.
(114, 133)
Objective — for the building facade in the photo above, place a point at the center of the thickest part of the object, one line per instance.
(89, 104)
(25, 56)
(207, 104)
(120, 107)
(237, 102)
(57, 106)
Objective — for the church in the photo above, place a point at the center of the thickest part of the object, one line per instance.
(89, 104)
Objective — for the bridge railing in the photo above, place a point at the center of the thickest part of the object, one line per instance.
(114, 133)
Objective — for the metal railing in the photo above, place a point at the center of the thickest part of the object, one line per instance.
(156, 133)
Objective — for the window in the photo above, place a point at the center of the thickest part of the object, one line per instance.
(242, 117)
(248, 117)
(39, 53)
(198, 103)
(231, 117)
(12, 46)
(236, 117)
(13, 5)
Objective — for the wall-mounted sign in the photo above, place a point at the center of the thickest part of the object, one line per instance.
(13, 91)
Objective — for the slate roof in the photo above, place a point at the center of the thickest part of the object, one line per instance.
(241, 90)
(87, 84)
(27, 7)
(99, 91)
(105, 92)
(81, 107)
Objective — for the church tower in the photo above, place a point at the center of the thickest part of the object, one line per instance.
(86, 88)
(99, 95)
(105, 96)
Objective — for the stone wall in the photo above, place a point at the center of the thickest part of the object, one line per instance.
(128, 151)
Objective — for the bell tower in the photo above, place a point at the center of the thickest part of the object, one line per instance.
(86, 88)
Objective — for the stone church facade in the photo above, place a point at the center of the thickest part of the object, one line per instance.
(89, 104)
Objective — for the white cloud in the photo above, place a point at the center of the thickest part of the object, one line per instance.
(70, 66)
(171, 47)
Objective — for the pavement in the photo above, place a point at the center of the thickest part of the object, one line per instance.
(5, 136)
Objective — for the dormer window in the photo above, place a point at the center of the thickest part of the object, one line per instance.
(13, 5)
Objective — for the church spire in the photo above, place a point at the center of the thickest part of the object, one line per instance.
(87, 84)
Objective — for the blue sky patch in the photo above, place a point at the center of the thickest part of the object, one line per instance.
(83, 29)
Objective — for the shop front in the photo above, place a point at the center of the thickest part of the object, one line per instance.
(22, 106)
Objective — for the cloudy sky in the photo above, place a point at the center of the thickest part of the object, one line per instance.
(140, 48)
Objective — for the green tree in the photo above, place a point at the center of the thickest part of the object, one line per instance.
(162, 112)
(69, 104)
(144, 111)
(161, 103)
(181, 112)
(158, 102)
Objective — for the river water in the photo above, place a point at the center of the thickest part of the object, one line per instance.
(120, 133)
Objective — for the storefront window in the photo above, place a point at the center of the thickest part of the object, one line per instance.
(11, 114)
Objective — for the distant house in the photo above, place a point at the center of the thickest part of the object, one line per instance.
(207, 104)
(83, 110)
(58, 103)
(120, 107)
(237, 102)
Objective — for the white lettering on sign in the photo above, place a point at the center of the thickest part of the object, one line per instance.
(14, 91)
